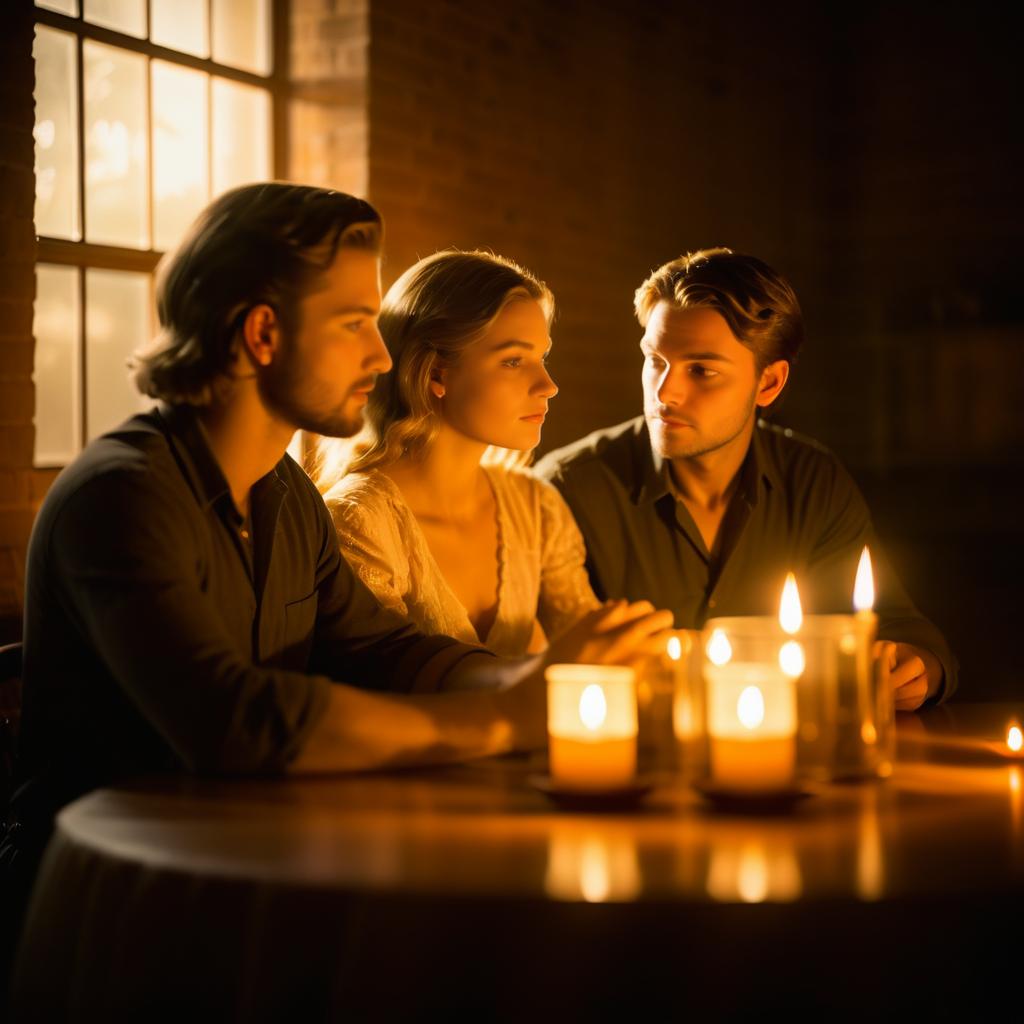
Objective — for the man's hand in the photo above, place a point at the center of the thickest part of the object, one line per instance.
(915, 674)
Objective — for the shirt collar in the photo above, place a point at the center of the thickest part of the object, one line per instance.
(190, 442)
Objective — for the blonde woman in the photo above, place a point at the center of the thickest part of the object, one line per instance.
(461, 544)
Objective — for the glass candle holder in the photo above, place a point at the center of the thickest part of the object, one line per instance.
(592, 726)
(763, 722)
(856, 695)
(669, 715)
(683, 657)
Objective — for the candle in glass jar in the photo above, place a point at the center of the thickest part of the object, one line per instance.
(751, 716)
(592, 726)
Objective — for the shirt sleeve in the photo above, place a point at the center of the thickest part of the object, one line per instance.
(130, 574)
(361, 640)
(834, 557)
(565, 591)
(366, 539)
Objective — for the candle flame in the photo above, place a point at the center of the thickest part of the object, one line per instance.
(593, 707)
(1015, 738)
(750, 707)
(791, 615)
(791, 659)
(675, 648)
(864, 587)
(719, 648)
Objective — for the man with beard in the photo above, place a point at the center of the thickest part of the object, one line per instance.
(701, 507)
(187, 607)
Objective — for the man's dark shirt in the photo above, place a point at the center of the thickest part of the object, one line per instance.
(162, 632)
(795, 510)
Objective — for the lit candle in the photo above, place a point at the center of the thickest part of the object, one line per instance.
(684, 713)
(864, 726)
(751, 715)
(592, 726)
(1015, 740)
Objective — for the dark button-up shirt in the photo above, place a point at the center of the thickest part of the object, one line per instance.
(162, 631)
(795, 509)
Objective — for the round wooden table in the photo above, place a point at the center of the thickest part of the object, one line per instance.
(401, 894)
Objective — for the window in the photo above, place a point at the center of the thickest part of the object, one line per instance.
(145, 110)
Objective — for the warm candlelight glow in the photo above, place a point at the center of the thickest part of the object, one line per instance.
(750, 708)
(592, 725)
(864, 587)
(791, 615)
(593, 707)
(791, 659)
(595, 866)
(675, 648)
(719, 649)
(1015, 738)
(753, 871)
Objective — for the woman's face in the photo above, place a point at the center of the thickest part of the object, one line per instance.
(499, 390)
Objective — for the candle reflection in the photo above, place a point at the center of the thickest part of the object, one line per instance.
(753, 870)
(593, 865)
(870, 856)
(1016, 799)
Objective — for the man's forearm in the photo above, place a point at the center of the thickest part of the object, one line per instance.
(486, 672)
(362, 731)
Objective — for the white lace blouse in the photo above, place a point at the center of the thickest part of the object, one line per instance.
(540, 559)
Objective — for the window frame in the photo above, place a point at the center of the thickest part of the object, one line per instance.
(91, 255)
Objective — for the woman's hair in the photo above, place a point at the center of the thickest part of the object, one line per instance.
(264, 243)
(429, 317)
(757, 302)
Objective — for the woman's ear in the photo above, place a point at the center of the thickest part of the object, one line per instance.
(437, 383)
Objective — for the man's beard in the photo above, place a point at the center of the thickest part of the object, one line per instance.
(291, 394)
(695, 446)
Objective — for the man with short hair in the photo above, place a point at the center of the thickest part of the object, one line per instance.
(702, 507)
(187, 606)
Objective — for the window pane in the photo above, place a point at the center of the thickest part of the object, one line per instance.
(241, 134)
(241, 34)
(56, 134)
(56, 375)
(117, 322)
(60, 6)
(181, 25)
(181, 181)
(116, 179)
(127, 16)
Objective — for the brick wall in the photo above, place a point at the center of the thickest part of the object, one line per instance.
(17, 289)
(593, 141)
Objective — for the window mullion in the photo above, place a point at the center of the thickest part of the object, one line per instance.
(83, 391)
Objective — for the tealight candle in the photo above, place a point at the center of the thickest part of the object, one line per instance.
(592, 726)
(751, 719)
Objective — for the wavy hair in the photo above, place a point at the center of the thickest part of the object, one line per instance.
(264, 243)
(429, 317)
(757, 302)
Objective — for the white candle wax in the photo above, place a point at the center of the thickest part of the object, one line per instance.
(751, 725)
(592, 726)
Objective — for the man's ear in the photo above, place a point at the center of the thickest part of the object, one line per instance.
(773, 380)
(261, 334)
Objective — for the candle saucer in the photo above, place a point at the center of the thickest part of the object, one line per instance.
(619, 798)
(756, 801)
